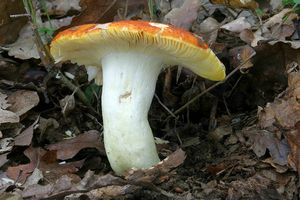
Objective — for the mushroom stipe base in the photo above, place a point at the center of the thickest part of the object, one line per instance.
(129, 80)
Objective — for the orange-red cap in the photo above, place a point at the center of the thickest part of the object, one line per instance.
(87, 44)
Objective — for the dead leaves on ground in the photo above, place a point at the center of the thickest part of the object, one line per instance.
(62, 182)
(234, 31)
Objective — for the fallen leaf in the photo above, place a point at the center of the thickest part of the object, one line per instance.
(65, 186)
(251, 4)
(22, 101)
(240, 56)
(112, 191)
(5, 115)
(68, 148)
(67, 104)
(184, 16)
(276, 29)
(6, 144)
(263, 140)
(148, 176)
(25, 48)
(294, 142)
(34, 178)
(10, 26)
(95, 11)
(208, 29)
(237, 25)
(104, 185)
(61, 7)
(255, 187)
(285, 112)
(24, 139)
(21, 172)
(3, 159)
(276, 4)
(38, 157)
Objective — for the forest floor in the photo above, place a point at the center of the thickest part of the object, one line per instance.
(235, 139)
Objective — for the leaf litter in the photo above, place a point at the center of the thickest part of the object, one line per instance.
(240, 140)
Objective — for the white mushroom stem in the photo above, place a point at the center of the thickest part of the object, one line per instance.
(129, 80)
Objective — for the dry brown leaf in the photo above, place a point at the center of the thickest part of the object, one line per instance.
(95, 11)
(255, 187)
(184, 16)
(25, 47)
(61, 7)
(67, 104)
(240, 55)
(106, 185)
(148, 176)
(21, 172)
(276, 29)
(24, 139)
(22, 101)
(9, 26)
(5, 115)
(262, 141)
(42, 160)
(68, 148)
(293, 138)
(284, 112)
(3, 159)
(237, 25)
(208, 29)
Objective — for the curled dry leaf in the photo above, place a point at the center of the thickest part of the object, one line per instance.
(151, 174)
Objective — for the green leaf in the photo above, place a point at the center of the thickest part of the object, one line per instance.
(287, 2)
(297, 1)
(90, 92)
(46, 31)
(259, 12)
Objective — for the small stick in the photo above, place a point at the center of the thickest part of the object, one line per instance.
(213, 86)
(46, 57)
(164, 106)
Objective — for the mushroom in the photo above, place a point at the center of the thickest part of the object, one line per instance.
(132, 54)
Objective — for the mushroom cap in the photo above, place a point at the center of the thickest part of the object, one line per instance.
(87, 44)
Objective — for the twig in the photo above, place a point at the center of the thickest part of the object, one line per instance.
(19, 15)
(46, 57)
(108, 8)
(164, 106)
(213, 86)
